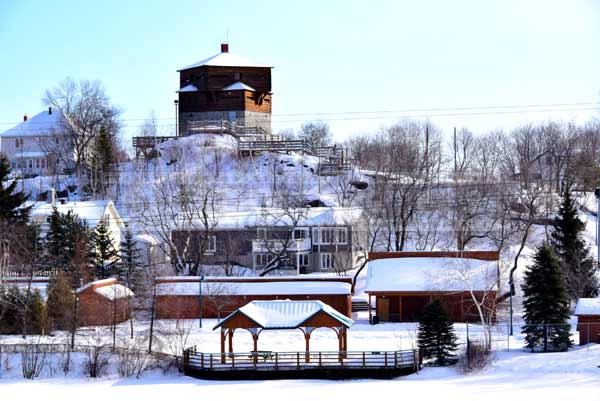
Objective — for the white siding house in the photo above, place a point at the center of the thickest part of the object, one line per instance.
(38, 145)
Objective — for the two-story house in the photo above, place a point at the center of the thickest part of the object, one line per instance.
(38, 145)
(295, 241)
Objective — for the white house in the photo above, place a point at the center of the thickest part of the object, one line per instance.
(38, 145)
(89, 211)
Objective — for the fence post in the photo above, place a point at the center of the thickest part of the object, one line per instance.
(395, 359)
(211, 361)
(202, 360)
(363, 359)
(298, 360)
(319, 358)
(276, 360)
(385, 359)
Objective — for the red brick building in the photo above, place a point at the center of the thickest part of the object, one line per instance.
(103, 302)
(179, 297)
(403, 283)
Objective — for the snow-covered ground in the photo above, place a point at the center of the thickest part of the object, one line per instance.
(514, 375)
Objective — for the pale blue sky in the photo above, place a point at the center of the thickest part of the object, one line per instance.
(329, 56)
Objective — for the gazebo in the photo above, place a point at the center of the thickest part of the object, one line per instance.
(306, 316)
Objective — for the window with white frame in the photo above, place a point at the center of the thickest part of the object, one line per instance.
(262, 259)
(300, 233)
(327, 261)
(18, 142)
(211, 244)
(303, 259)
(327, 236)
(342, 236)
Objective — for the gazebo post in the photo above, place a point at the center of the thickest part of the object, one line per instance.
(254, 333)
(231, 341)
(307, 331)
(341, 343)
(223, 335)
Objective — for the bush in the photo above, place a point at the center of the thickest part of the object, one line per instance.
(33, 359)
(476, 357)
(133, 360)
(61, 302)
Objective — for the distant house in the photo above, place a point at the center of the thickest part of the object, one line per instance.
(89, 211)
(588, 320)
(38, 145)
(403, 283)
(299, 241)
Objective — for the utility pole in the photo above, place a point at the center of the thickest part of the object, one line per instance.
(597, 194)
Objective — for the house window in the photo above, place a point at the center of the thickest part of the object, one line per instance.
(327, 236)
(262, 259)
(300, 234)
(261, 233)
(30, 163)
(327, 261)
(303, 259)
(18, 142)
(342, 238)
(211, 246)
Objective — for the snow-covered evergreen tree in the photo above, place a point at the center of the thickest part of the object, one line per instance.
(105, 255)
(11, 200)
(546, 304)
(129, 266)
(436, 334)
(579, 267)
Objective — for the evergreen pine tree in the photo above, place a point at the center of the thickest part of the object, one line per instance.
(65, 233)
(130, 265)
(11, 200)
(578, 266)
(60, 302)
(105, 254)
(436, 334)
(546, 304)
(102, 158)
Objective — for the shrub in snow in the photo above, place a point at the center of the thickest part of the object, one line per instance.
(476, 357)
(133, 360)
(436, 338)
(33, 359)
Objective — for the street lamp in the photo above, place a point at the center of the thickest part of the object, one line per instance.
(176, 103)
(200, 279)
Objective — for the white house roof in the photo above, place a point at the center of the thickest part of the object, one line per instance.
(115, 291)
(146, 239)
(430, 274)
(238, 86)
(41, 124)
(188, 88)
(224, 288)
(225, 60)
(90, 211)
(286, 314)
(588, 306)
(274, 217)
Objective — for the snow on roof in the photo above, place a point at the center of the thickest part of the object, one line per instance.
(90, 211)
(97, 282)
(588, 306)
(255, 288)
(286, 314)
(29, 155)
(275, 217)
(42, 124)
(237, 86)
(146, 238)
(115, 291)
(188, 88)
(430, 274)
(225, 60)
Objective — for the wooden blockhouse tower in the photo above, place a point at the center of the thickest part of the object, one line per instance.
(225, 93)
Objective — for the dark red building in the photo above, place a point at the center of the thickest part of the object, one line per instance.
(403, 283)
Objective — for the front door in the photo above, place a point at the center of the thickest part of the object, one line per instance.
(383, 309)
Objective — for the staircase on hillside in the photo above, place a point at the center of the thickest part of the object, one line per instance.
(359, 305)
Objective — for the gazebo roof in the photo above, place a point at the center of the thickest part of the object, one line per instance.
(285, 314)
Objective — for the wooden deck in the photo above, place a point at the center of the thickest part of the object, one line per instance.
(295, 365)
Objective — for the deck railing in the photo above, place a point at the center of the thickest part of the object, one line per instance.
(267, 360)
